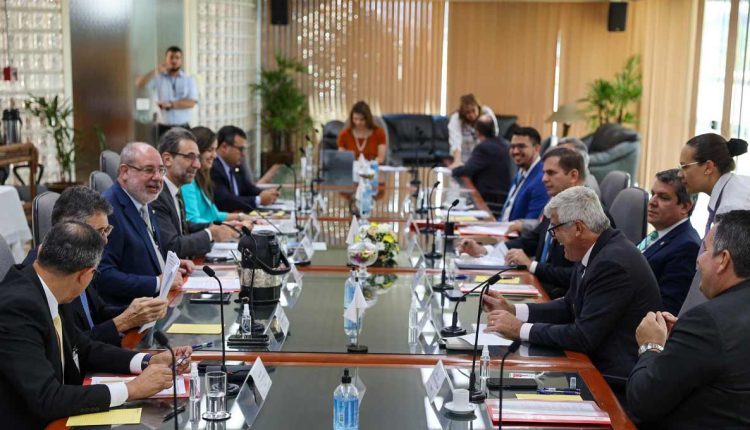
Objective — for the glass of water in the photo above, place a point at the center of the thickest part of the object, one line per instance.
(216, 396)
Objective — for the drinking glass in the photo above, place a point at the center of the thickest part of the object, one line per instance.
(216, 396)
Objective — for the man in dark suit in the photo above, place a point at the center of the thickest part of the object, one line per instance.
(181, 157)
(612, 288)
(489, 166)
(527, 196)
(697, 377)
(89, 312)
(44, 357)
(134, 257)
(233, 189)
(672, 247)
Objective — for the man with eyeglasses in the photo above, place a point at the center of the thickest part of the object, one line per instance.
(180, 154)
(133, 260)
(90, 313)
(233, 189)
(611, 290)
(527, 195)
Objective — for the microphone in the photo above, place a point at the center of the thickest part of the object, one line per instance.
(513, 347)
(232, 389)
(454, 329)
(426, 210)
(297, 208)
(434, 254)
(161, 338)
(238, 231)
(269, 223)
(443, 285)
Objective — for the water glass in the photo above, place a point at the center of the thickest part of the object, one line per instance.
(216, 396)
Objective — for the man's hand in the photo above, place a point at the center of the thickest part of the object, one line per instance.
(187, 267)
(670, 319)
(471, 247)
(155, 377)
(653, 328)
(517, 256)
(267, 197)
(494, 301)
(516, 227)
(142, 310)
(505, 323)
(177, 283)
(165, 358)
(222, 233)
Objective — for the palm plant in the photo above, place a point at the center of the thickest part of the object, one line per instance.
(611, 101)
(54, 113)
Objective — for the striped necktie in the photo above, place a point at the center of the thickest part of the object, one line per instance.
(648, 240)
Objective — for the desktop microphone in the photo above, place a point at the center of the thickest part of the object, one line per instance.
(513, 347)
(297, 208)
(232, 389)
(238, 231)
(444, 285)
(429, 228)
(161, 338)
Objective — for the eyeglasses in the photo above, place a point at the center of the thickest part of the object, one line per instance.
(239, 148)
(553, 228)
(150, 170)
(191, 156)
(105, 231)
(519, 146)
(684, 167)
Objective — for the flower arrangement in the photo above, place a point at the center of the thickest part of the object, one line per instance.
(382, 281)
(383, 236)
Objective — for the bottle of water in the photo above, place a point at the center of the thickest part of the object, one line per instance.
(350, 327)
(375, 180)
(195, 393)
(413, 322)
(246, 323)
(346, 405)
(484, 369)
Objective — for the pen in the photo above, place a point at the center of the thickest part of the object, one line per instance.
(566, 391)
(171, 415)
(181, 360)
(208, 344)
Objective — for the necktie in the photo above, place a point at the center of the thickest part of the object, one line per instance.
(181, 207)
(547, 246)
(517, 180)
(648, 240)
(87, 309)
(152, 234)
(233, 182)
(58, 331)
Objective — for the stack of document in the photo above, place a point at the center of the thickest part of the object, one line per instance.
(550, 412)
(496, 229)
(182, 382)
(204, 284)
(526, 290)
(480, 263)
(489, 339)
(470, 213)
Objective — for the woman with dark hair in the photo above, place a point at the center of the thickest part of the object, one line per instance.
(199, 206)
(362, 136)
(706, 166)
(462, 133)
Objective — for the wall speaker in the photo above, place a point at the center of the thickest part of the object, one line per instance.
(618, 16)
(279, 12)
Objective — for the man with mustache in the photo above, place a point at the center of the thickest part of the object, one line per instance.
(181, 157)
(133, 260)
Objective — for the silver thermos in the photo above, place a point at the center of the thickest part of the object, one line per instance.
(11, 126)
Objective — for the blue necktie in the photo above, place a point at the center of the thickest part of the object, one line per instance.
(545, 250)
(514, 185)
(86, 309)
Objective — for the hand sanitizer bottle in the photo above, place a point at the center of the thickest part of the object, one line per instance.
(346, 405)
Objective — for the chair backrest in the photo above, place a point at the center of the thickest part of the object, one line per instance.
(109, 163)
(592, 183)
(100, 181)
(330, 134)
(6, 257)
(611, 185)
(337, 167)
(629, 213)
(41, 215)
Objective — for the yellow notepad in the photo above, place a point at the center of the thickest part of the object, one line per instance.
(550, 397)
(115, 416)
(513, 280)
(195, 329)
(464, 218)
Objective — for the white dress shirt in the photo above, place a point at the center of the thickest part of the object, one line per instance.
(173, 190)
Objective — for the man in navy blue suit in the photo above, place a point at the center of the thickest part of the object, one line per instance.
(671, 249)
(527, 195)
(134, 257)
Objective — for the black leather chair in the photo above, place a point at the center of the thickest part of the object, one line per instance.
(331, 131)
(411, 136)
(505, 125)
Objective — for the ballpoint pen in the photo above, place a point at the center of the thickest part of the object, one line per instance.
(171, 414)
(203, 345)
(567, 391)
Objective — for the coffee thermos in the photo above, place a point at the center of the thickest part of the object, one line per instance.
(11, 126)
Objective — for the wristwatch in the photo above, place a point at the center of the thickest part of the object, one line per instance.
(146, 360)
(648, 346)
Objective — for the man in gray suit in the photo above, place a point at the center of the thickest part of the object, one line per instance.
(697, 376)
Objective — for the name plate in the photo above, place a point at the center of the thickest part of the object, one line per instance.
(260, 378)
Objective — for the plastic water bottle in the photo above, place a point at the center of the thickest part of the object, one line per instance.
(484, 369)
(195, 393)
(375, 180)
(350, 327)
(246, 323)
(346, 405)
(413, 323)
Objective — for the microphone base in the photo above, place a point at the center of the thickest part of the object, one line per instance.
(216, 416)
(452, 331)
(357, 349)
(443, 286)
(232, 390)
(434, 255)
(476, 396)
(257, 328)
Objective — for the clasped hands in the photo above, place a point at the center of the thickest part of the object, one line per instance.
(501, 316)
(655, 328)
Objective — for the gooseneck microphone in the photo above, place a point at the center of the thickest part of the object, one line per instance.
(444, 285)
(210, 272)
(162, 340)
(513, 347)
(297, 207)
(228, 225)
(429, 228)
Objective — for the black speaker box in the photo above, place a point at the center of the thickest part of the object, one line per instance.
(618, 16)
(279, 12)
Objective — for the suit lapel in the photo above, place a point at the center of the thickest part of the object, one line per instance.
(662, 242)
(166, 197)
(51, 338)
(581, 273)
(135, 220)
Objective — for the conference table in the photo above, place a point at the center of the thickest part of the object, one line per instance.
(306, 361)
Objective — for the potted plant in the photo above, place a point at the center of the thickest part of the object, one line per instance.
(284, 111)
(54, 114)
(611, 101)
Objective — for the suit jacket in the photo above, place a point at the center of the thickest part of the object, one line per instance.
(34, 390)
(701, 380)
(601, 310)
(104, 329)
(531, 197)
(672, 258)
(555, 273)
(489, 167)
(196, 243)
(129, 266)
(224, 198)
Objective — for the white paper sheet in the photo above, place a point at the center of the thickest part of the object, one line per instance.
(493, 339)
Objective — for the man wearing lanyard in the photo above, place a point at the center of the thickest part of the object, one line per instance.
(527, 195)
(176, 92)
(90, 314)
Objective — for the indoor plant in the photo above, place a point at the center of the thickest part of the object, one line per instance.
(611, 101)
(54, 114)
